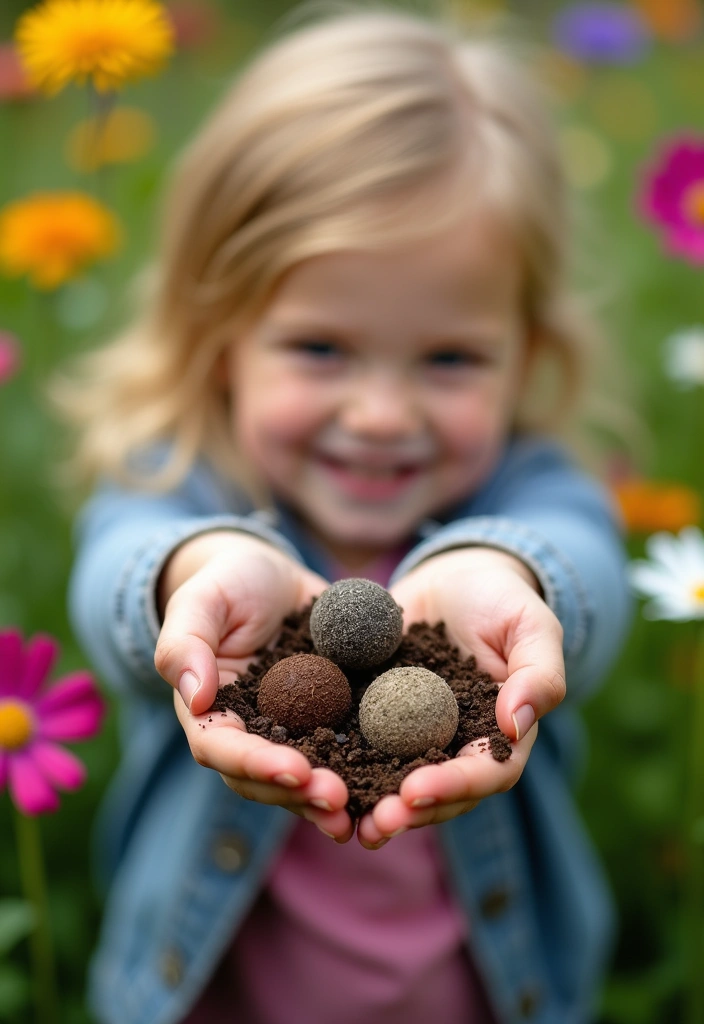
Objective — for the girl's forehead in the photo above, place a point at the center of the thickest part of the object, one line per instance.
(475, 262)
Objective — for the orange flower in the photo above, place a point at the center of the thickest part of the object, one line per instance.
(648, 506)
(110, 42)
(122, 135)
(674, 20)
(52, 237)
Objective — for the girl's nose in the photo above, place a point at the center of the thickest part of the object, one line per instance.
(381, 407)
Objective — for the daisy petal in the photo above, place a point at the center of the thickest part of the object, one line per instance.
(666, 549)
(40, 655)
(11, 661)
(79, 722)
(30, 791)
(59, 767)
(692, 542)
(652, 580)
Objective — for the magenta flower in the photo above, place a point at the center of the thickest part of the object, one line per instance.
(9, 356)
(33, 717)
(673, 197)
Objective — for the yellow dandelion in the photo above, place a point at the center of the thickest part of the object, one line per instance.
(110, 42)
(122, 135)
(52, 236)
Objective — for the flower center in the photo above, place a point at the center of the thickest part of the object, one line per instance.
(698, 593)
(16, 725)
(693, 202)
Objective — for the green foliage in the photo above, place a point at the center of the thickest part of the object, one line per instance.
(637, 724)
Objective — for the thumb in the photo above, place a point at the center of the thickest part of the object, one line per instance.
(536, 679)
(185, 651)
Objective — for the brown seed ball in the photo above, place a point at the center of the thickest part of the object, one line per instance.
(357, 623)
(406, 711)
(303, 692)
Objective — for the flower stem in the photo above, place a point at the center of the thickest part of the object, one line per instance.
(694, 894)
(29, 850)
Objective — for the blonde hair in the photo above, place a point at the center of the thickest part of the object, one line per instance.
(331, 139)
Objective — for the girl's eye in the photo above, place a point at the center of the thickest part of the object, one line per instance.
(453, 358)
(317, 349)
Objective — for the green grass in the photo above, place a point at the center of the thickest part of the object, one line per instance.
(638, 723)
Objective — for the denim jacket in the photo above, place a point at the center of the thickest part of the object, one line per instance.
(182, 857)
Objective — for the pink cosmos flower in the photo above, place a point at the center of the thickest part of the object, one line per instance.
(673, 197)
(9, 356)
(33, 717)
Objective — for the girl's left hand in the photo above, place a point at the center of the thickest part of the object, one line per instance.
(492, 608)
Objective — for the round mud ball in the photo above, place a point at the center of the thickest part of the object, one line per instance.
(406, 711)
(303, 692)
(356, 623)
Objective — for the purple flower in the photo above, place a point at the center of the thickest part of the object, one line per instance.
(34, 719)
(672, 197)
(601, 33)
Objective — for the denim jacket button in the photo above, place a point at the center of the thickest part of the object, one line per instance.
(230, 852)
(528, 1003)
(494, 902)
(172, 967)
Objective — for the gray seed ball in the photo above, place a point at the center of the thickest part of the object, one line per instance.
(406, 711)
(356, 623)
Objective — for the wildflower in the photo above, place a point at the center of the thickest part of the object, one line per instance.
(647, 505)
(33, 718)
(673, 577)
(195, 23)
(684, 357)
(14, 84)
(52, 236)
(123, 135)
(9, 356)
(601, 33)
(585, 156)
(673, 20)
(110, 42)
(673, 197)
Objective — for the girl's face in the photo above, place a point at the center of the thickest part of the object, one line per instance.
(378, 388)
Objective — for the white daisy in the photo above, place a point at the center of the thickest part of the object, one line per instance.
(673, 577)
(684, 357)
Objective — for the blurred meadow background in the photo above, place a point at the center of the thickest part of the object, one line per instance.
(628, 80)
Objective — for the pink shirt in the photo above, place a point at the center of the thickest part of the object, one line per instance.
(342, 934)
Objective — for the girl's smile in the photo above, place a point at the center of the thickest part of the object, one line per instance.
(378, 388)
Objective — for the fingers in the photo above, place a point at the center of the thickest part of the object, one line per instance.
(270, 773)
(536, 675)
(437, 793)
(185, 653)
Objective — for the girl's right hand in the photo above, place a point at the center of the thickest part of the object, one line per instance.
(223, 596)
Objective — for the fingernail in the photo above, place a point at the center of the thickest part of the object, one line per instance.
(398, 832)
(286, 779)
(523, 719)
(188, 687)
(317, 801)
(424, 801)
(328, 834)
(382, 842)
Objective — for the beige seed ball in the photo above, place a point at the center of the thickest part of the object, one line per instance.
(406, 711)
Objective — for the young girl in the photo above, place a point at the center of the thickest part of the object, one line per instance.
(364, 274)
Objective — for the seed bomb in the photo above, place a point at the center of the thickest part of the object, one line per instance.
(356, 623)
(406, 711)
(303, 692)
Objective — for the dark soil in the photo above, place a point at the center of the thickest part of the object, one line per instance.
(367, 772)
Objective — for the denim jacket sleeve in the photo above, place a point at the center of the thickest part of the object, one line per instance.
(124, 539)
(541, 508)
